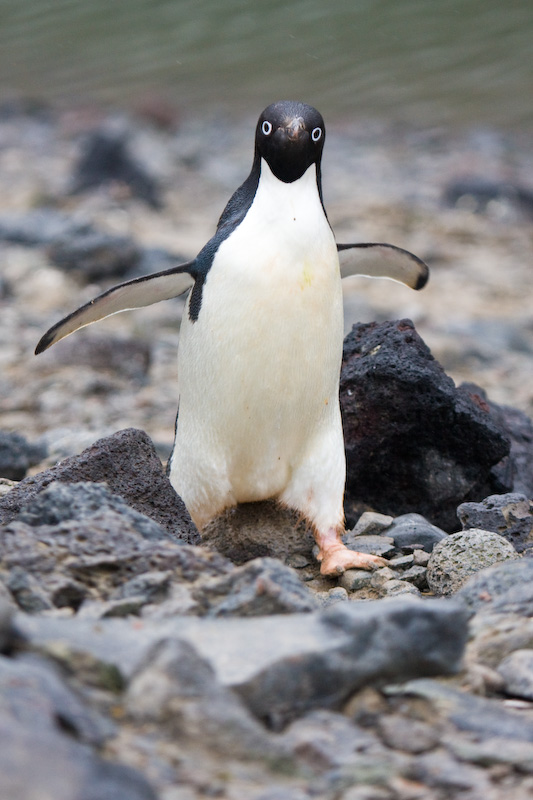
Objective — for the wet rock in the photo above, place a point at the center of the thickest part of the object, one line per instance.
(517, 673)
(412, 531)
(95, 256)
(259, 530)
(17, 455)
(107, 157)
(262, 586)
(128, 463)
(413, 440)
(510, 515)
(462, 554)
(505, 588)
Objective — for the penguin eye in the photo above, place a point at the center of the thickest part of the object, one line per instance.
(266, 127)
(316, 134)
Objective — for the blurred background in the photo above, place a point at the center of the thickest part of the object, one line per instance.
(428, 63)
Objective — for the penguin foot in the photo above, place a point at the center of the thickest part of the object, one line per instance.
(335, 557)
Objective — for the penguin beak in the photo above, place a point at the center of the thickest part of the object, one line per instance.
(295, 128)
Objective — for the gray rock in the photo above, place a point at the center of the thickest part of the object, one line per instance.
(259, 530)
(60, 502)
(283, 666)
(370, 522)
(491, 752)
(40, 226)
(510, 515)
(6, 629)
(262, 586)
(354, 579)
(479, 715)
(441, 771)
(17, 455)
(463, 554)
(175, 687)
(505, 588)
(410, 735)
(127, 357)
(493, 638)
(95, 256)
(369, 543)
(517, 673)
(128, 463)
(411, 531)
(395, 587)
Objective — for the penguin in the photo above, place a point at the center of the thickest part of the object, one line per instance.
(261, 340)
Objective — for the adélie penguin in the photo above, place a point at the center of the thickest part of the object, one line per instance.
(261, 340)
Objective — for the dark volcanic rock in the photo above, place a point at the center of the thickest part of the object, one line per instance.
(413, 440)
(128, 463)
(95, 256)
(510, 515)
(17, 455)
(107, 157)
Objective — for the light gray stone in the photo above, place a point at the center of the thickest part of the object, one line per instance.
(517, 673)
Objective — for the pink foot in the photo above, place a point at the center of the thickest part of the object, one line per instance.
(335, 557)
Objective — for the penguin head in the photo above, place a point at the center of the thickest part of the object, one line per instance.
(290, 137)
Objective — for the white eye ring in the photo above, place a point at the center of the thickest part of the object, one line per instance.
(266, 127)
(316, 134)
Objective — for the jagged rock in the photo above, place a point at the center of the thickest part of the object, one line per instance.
(462, 554)
(17, 455)
(262, 586)
(510, 515)
(413, 440)
(128, 463)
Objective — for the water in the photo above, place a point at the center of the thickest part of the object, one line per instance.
(428, 62)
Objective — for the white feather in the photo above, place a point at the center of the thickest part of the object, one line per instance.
(259, 369)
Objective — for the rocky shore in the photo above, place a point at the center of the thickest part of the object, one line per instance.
(137, 661)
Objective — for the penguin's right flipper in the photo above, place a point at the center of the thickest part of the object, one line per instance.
(378, 260)
(133, 294)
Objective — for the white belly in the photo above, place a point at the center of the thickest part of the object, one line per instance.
(259, 368)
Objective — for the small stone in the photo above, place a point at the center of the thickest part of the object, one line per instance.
(462, 554)
(381, 576)
(370, 522)
(421, 558)
(354, 579)
(410, 735)
(517, 673)
(414, 531)
(416, 575)
(396, 587)
(369, 543)
(401, 562)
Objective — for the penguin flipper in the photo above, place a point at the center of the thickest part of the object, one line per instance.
(136, 293)
(383, 261)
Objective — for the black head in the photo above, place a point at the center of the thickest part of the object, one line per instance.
(290, 137)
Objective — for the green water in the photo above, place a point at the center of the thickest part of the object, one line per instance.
(430, 63)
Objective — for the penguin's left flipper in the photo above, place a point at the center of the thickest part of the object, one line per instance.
(383, 261)
(136, 293)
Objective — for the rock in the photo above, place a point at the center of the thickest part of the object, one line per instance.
(262, 586)
(130, 358)
(17, 455)
(410, 735)
(478, 715)
(128, 463)
(493, 638)
(41, 226)
(369, 543)
(505, 588)
(517, 673)
(282, 665)
(462, 554)
(259, 530)
(413, 440)
(510, 515)
(476, 194)
(413, 531)
(178, 689)
(95, 256)
(43, 720)
(6, 628)
(371, 523)
(107, 157)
